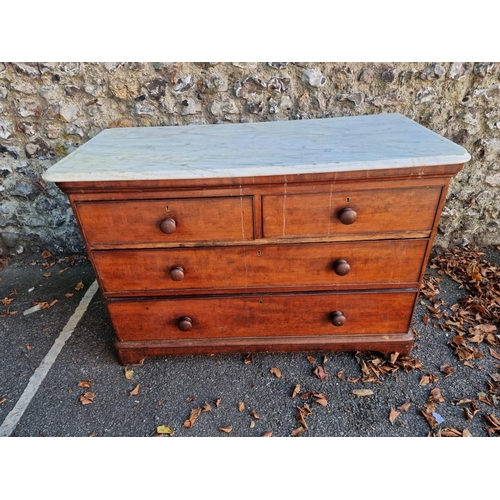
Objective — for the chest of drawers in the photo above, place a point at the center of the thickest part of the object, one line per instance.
(275, 236)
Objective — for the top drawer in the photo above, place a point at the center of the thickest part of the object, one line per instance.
(349, 212)
(135, 222)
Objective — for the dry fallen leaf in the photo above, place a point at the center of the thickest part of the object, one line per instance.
(446, 369)
(85, 383)
(79, 286)
(252, 424)
(87, 398)
(311, 360)
(362, 392)
(267, 434)
(227, 429)
(254, 414)
(6, 301)
(195, 413)
(296, 390)
(404, 407)
(165, 429)
(248, 359)
(424, 381)
(241, 406)
(431, 420)
(494, 353)
(135, 390)
(217, 402)
(298, 431)
(129, 374)
(3, 400)
(276, 372)
(393, 415)
(321, 373)
(69, 295)
(205, 407)
(46, 254)
(320, 398)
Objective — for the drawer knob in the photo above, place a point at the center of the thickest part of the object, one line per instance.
(168, 226)
(177, 273)
(185, 324)
(338, 318)
(341, 267)
(348, 216)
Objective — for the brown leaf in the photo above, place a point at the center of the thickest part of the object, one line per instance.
(340, 375)
(69, 295)
(299, 430)
(296, 390)
(135, 390)
(227, 429)
(494, 353)
(466, 433)
(362, 392)
(241, 406)
(205, 407)
(248, 359)
(254, 414)
(276, 372)
(267, 434)
(425, 319)
(468, 414)
(129, 374)
(437, 395)
(321, 373)
(320, 398)
(495, 376)
(6, 301)
(424, 380)
(79, 286)
(311, 360)
(193, 416)
(217, 402)
(431, 420)
(404, 407)
(252, 424)
(190, 399)
(3, 400)
(450, 432)
(393, 357)
(46, 254)
(393, 415)
(87, 398)
(446, 369)
(85, 383)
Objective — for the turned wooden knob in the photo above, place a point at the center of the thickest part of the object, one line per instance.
(348, 216)
(341, 267)
(185, 324)
(168, 226)
(338, 318)
(177, 273)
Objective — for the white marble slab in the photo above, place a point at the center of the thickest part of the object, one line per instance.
(256, 149)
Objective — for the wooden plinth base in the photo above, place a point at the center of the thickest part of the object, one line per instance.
(133, 353)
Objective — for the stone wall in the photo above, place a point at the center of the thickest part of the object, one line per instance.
(49, 109)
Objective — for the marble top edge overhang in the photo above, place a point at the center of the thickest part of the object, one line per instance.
(257, 149)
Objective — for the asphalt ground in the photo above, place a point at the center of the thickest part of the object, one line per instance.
(86, 392)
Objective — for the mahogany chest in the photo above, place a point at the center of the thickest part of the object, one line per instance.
(274, 236)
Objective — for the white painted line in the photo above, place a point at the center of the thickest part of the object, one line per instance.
(13, 418)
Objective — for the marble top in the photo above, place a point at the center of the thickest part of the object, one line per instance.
(256, 149)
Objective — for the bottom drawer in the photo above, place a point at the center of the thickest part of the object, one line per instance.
(274, 315)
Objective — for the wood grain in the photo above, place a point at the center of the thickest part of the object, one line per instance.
(394, 263)
(263, 315)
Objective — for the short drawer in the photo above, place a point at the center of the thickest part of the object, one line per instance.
(217, 269)
(349, 212)
(166, 221)
(263, 315)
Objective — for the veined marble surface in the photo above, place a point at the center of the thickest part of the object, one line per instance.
(256, 149)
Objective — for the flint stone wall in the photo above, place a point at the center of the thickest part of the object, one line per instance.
(49, 109)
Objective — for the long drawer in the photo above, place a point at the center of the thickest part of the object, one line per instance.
(263, 315)
(350, 211)
(166, 220)
(203, 270)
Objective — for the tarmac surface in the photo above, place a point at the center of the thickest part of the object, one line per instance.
(86, 392)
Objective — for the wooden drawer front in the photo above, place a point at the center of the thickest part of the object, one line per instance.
(208, 269)
(138, 221)
(378, 211)
(263, 316)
